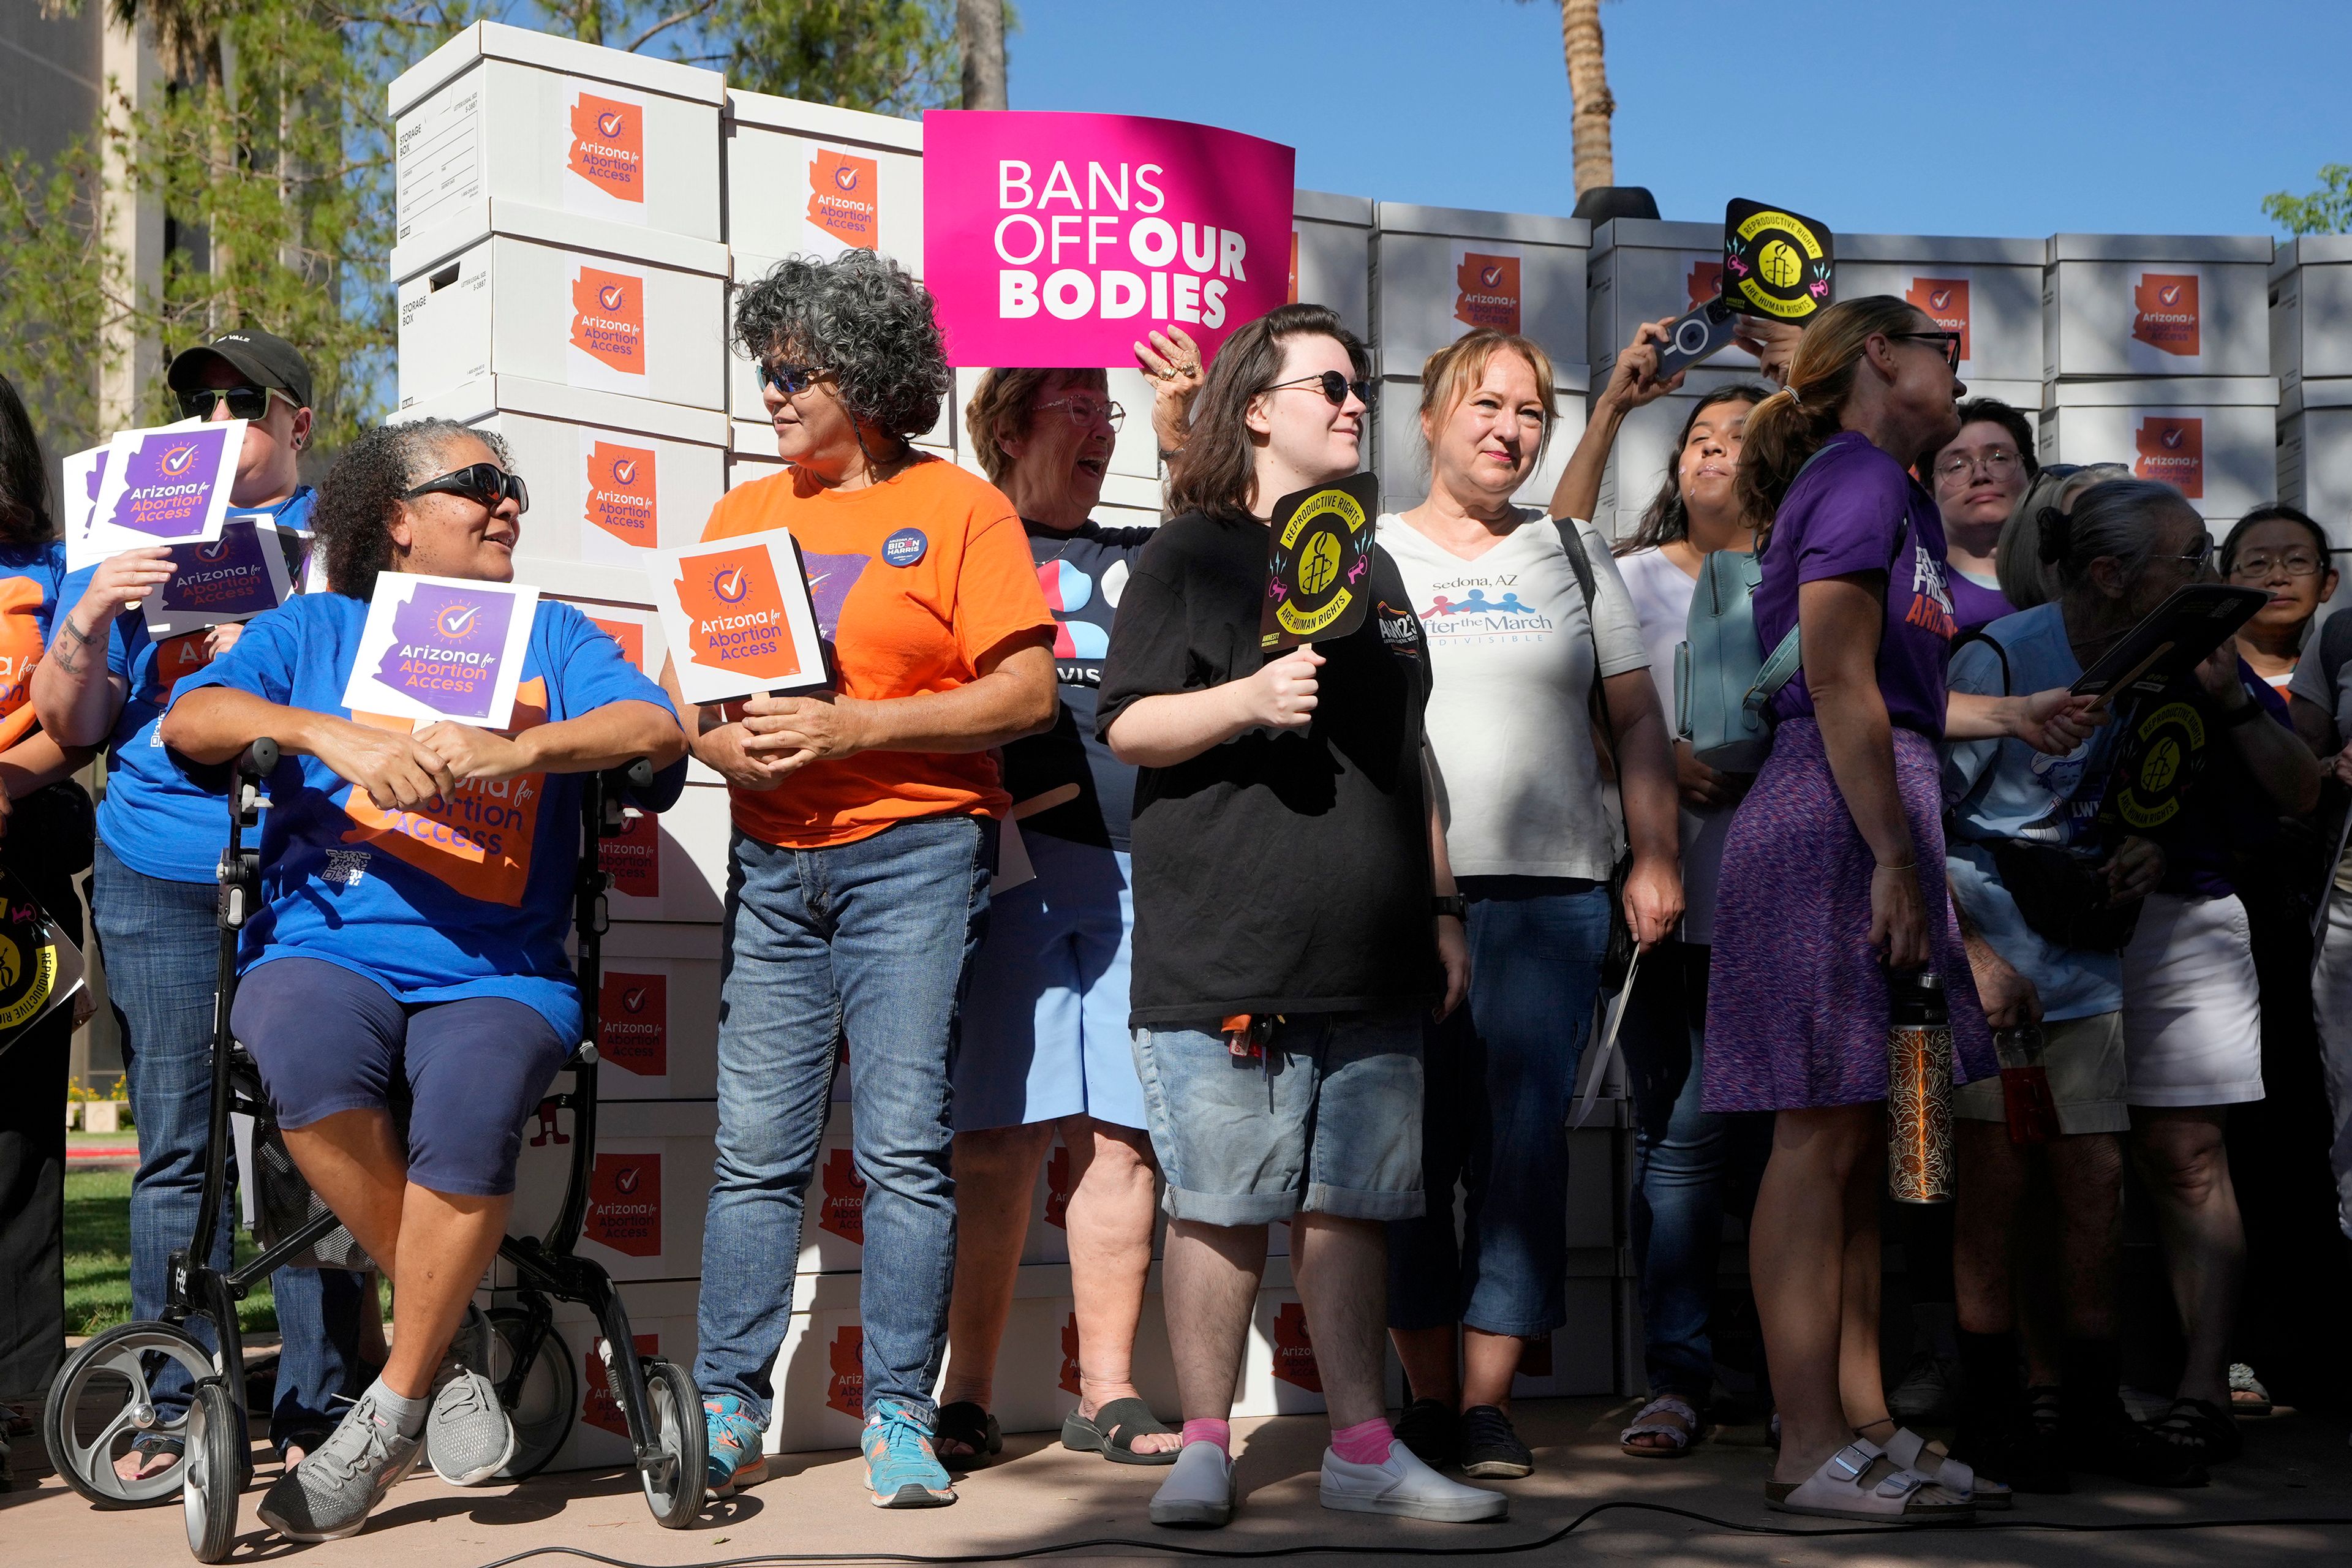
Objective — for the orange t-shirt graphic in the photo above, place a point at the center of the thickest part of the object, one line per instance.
(915, 581)
(20, 650)
(479, 843)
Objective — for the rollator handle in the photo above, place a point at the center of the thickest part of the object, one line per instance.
(260, 760)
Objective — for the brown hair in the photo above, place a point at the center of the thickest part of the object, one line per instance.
(1000, 412)
(1790, 426)
(1216, 472)
(1448, 376)
(1667, 519)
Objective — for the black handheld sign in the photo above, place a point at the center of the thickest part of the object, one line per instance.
(2172, 641)
(1776, 263)
(1318, 563)
(38, 966)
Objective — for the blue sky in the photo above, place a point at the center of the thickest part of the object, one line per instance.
(1989, 117)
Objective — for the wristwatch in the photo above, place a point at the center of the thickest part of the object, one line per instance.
(1452, 904)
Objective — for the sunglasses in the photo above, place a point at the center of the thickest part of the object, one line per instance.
(486, 484)
(792, 380)
(244, 402)
(1332, 385)
(1951, 342)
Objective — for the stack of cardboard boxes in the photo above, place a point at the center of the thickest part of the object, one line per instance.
(2311, 352)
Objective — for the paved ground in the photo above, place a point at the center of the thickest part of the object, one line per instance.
(1040, 1495)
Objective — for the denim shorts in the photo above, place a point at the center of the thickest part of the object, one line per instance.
(328, 1040)
(1327, 1121)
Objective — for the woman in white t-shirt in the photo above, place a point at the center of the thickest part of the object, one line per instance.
(1685, 1160)
(1516, 652)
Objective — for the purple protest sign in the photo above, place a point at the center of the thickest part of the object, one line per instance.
(447, 646)
(232, 578)
(168, 481)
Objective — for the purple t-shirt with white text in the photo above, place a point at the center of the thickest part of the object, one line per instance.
(1973, 603)
(1847, 513)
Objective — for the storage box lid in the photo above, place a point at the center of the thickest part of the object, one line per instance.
(488, 394)
(1322, 207)
(2326, 392)
(2310, 249)
(1461, 223)
(496, 40)
(1656, 233)
(766, 112)
(472, 222)
(1940, 249)
(2164, 392)
(2159, 247)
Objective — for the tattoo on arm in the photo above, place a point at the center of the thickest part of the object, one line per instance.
(65, 652)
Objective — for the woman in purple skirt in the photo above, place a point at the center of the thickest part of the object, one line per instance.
(1833, 874)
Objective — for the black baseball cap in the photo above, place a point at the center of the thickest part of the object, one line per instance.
(271, 361)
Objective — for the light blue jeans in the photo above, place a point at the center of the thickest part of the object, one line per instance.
(869, 941)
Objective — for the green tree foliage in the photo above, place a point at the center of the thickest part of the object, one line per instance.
(889, 56)
(2327, 210)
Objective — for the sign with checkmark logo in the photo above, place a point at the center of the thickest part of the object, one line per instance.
(442, 648)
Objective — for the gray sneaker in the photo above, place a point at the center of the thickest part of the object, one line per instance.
(466, 1435)
(330, 1493)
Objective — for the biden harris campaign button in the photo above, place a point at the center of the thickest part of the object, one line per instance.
(905, 547)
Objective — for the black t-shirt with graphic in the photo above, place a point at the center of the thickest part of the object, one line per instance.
(1274, 873)
(1083, 573)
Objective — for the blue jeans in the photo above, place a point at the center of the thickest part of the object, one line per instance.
(1498, 1079)
(869, 941)
(1688, 1166)
(162, 953)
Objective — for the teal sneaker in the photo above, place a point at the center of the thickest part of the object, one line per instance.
(737, 1444)
(901, 1471)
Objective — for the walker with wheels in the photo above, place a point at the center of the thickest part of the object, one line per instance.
(101, 1401)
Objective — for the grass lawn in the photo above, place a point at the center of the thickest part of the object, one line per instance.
(97, 1258)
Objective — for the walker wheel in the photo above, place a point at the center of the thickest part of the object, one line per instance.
(103, 1401)
(674, 1481)
(212, 1468)
(543, 1408)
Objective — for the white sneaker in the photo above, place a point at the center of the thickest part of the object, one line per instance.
(1406, 1487)
(1199, 1489)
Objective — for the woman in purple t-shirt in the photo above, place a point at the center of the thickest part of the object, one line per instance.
(1833, 873)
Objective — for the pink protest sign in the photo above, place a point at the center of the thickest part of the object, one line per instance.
(1057, 240)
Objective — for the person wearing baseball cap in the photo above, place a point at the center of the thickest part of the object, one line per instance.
(106, 681)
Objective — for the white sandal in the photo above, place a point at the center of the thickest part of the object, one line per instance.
(1645, 1425)
(1910, 1450)
(1842, 1488)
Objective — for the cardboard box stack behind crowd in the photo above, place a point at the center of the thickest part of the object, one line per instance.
(574, 224)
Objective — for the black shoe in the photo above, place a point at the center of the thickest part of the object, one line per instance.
(2110, 1443)
(1491, 1450)
(2011, 1451)
(1431, 1429)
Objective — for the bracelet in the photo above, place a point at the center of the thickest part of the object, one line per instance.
(1912, 865)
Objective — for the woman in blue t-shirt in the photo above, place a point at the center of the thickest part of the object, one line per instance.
(416, 885)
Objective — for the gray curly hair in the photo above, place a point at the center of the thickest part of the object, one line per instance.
(361, 492)
(864, 321)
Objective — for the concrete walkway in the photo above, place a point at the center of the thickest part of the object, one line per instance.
(1039, 1495)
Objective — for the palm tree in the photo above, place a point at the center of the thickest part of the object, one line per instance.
(979, 34)
(187, 39)
(1588, 87)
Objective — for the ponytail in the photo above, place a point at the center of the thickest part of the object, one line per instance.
(1786, 428)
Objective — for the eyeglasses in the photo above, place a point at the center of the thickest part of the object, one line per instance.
(244, 402)
(484, 483)
(2196, 554)
(1951, 342)
(1332, 385)
(1998, 463)
(792, 380)
(1084, 412)
(2294, 563)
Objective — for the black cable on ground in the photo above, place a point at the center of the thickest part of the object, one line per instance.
(1179, 1549)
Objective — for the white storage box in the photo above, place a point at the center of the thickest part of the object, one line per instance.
(1037, 1372)
(1403, 466)
(1441, 271)
(2140, 305)
(547, 298)
(673, 866)
(648, 1191)
(2311, 308)
(1641, 269)
(2025, 396)
(1987, 291)
(526, 117)
(662, 1321)
(2214, 439)
(657, 1012)
(2315, 453)
(806, 179)
(1331, 256)
(746, 406)
(612, 479)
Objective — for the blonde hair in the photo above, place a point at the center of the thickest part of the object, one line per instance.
(1790, 426)
(1000, 412)
(1448, 376)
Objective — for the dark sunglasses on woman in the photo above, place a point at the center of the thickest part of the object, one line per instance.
(792, 380)
(1333, 385)
(1950, 340)
(485, 483)
(244, 402)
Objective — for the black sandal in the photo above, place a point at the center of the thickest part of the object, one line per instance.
(1113, 1431)
(2200, 1430)
(966, 1423)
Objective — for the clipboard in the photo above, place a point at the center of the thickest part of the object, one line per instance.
(2172, 641)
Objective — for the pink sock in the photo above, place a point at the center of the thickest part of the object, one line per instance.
(1221, 1432)
(1365, 1443)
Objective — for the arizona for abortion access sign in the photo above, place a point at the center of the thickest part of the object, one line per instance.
(1056, 240)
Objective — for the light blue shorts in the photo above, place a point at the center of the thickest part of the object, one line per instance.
(1044, 1020)
(1327, 1121)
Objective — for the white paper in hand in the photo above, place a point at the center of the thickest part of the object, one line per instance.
(442, 648)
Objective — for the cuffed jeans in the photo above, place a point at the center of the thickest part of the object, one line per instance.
(160, 947)
(1498, 1078)
(869, 941)
(1687, 1164)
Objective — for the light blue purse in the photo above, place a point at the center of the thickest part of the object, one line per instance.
(1723, 681)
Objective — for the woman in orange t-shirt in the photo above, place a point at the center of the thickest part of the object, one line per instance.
(865, 841)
